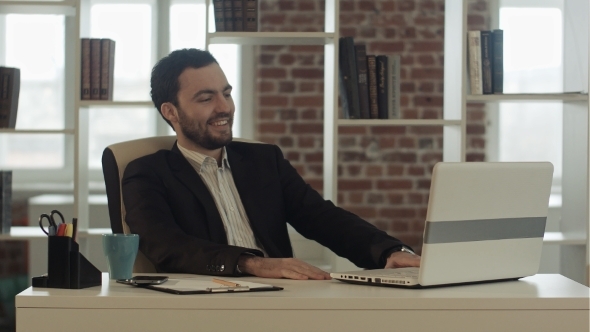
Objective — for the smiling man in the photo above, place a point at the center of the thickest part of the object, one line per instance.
(214, 206)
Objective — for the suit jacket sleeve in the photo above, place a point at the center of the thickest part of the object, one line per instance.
(343, 232)
(151, 198)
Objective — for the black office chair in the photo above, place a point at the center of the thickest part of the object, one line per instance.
(114, 161)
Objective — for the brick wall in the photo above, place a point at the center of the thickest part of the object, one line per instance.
(384, 172)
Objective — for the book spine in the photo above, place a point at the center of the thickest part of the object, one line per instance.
(372, 77)
(9, 93)
(238, 15)
(85, 69)
(107, 68)
(360, 51)
(393, 86)
(498, 61)
(343, 96)
(218, 15)
(474, 49)
(5, 201)
(347, 63)
(250, 15)
(228, 15)
(486, 62)
(95, 68)
(382, 89)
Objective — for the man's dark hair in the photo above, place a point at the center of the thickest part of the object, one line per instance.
(164, 81)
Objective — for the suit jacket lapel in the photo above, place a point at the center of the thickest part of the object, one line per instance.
(244, 174)
(188, 176)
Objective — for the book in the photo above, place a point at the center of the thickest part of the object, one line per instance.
(382, 89)
(474, 49)
(85, 69)
(360, 51)
(9, 93)
(238, 15)
(498, 61)
(393, 86)
(95, 54)
(228, 15)
(107, 68)
(486, 61)
(347, 64)
(218, 15)
(5, 201)
(250, 16)
(372, 78)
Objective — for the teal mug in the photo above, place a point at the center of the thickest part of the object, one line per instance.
(120, 251)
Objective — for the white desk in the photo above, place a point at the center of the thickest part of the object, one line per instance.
(548, 302)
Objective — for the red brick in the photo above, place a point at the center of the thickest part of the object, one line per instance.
(317, 184)
(347, 5)
(395, 170)
(426, 87)
(354, 185)
(353, 170)
(286, 142)
(427, 130)
(286, 87)
(288, 114)
(406, 5)
(352, 130)
(407, 142)
(403, 157)
(306, 48)
(374, 170)
(309, 114)
(272, 19)
(356, 197)
(293, 157)
(278, 128)
(386, 142)
(366, 6)
(397, 213)
(395, 198)
(416, 170)
(428, 101)
(286, 59)
(408, 33)
(266, 59)
(475, 19)
(307, 128)
(387, 6)
(314, 157)
(272, 73)
(308, 101)
(429, 21)
(427, 73)
(273, 101)
(364, 212)
(299, 20)
(306, 5)
(375, 198)
(388, 130)
(407, 87)
(427, 46)
(267, 114)
(307, 73)
(475, 156)
(394, 184)
(266, 86)
(415, 198)
(286, 5)
(306, 86)
(306, 142)
(476, 129)
(387, 47)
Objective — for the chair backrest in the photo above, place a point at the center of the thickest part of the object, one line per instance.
(114, 161)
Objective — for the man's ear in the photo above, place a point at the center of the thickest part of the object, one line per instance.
(169, 112)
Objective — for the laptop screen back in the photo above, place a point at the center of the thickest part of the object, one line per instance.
(485, 221)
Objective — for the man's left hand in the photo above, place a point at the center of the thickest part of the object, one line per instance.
(402, 259)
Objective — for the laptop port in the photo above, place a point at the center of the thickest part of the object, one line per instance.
(356, 277)
(362, 278)
(369, 280)
(378, 280)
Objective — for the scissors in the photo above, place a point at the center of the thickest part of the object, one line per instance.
(53, 226)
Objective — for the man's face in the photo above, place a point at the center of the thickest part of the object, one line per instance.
(205, 107)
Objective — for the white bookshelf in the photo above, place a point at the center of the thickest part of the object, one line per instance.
(574, 225)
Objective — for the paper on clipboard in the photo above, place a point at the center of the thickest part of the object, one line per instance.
(197, 286)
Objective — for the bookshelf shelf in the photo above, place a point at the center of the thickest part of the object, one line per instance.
(37, 131)
(110, 103)
(528, 97)
(564, 238)
(398, 122)
(19, 233)
(67, 8)
(271, 38)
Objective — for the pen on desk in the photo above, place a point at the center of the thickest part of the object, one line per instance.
(225, 282)
(75, 229)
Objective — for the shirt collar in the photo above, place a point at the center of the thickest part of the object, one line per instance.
(197, 160)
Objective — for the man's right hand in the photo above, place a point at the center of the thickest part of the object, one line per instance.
(290, 268)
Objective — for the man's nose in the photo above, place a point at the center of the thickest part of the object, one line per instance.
(223, 104)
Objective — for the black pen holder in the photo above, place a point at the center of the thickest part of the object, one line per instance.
(67, 267)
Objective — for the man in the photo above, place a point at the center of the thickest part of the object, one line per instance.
(213, 206)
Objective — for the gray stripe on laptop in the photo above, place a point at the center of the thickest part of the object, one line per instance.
(486, 229)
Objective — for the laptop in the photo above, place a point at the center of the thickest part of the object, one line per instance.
(485, 222)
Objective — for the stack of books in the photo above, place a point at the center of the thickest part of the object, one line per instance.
(235, 15)
(9, 92)
(486, 61)
(98, 66)
(369, 84)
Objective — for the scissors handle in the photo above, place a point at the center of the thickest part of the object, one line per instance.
(51, 229)
(61, 216)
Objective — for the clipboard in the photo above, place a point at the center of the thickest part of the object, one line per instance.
(188, 286)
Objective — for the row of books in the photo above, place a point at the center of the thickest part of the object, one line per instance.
(9, 92)
(235, 15)
(5, 201)
(486, 61)
(98, 66)
(369, 84)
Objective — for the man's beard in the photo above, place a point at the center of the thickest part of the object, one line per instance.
(202, 136)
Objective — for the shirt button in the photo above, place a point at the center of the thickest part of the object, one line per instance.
(221, 268)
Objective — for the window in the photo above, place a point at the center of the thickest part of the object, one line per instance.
(533, 39)
(45, 96)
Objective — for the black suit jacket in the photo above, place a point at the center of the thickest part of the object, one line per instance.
(181, 230)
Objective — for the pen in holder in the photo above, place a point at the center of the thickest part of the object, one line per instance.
(67, 267)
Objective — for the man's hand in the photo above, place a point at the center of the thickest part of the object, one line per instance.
(290, 268)
(402, 259)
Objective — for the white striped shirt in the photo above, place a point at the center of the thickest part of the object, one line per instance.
(220, 183)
